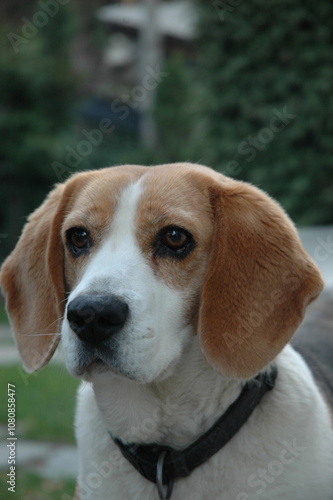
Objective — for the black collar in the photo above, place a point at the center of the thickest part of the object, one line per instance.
(163, 464)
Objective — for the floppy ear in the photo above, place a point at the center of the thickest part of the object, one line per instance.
(258, 283)
(32, 279)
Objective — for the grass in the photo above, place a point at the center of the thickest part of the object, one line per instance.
(3, 315)
(45, 405)
(32, 487)
(45, 402)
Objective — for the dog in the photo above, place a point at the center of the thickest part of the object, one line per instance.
(176, 291)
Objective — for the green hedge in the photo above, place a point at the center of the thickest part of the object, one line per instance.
(268, 105)
(37, 88)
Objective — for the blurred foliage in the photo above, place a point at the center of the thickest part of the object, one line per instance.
(3, 314)
(264, 59)
(45, 402)
(40, 121)
(177, 113)
(37, 88)
(254, 101)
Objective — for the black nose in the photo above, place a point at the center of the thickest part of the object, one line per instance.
(95, 318)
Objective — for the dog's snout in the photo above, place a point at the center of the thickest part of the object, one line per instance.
(95, 318)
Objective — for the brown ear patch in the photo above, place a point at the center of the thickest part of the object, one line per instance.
(258, 283)
(32, 277)
(31, 300)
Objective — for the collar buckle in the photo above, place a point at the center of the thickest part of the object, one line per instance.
(159, 479)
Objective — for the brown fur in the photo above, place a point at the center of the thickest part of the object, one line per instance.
(250, 278)
(258, 284)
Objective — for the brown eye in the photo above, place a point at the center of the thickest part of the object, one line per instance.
(174, 242)
(175, 239)
(78, 240)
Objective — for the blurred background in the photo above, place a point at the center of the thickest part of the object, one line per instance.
(243, 87)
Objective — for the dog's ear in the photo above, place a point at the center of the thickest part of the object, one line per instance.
(258, 282)
(32, 279)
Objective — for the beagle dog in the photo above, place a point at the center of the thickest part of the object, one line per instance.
(175, 291)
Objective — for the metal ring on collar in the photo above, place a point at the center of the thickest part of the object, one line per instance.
(159, 479)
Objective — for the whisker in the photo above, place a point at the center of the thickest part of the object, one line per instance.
(51, 334)
(62, 301)
(43, 334)
(58, 320)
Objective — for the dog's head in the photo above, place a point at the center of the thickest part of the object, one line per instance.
(128, 263)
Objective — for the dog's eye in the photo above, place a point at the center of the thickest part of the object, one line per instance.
(175, 239)
(175, 242)
(78, 240)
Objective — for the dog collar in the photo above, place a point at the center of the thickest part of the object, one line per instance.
(163, 464)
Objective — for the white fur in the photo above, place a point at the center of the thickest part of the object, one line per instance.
(153, 338)
(284, 451)
(160, 388)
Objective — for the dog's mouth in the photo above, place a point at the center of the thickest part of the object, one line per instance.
(97, 365)
(94, 359)
(90, 364)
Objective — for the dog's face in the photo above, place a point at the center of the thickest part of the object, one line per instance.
(134, 265)
(130, 262)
